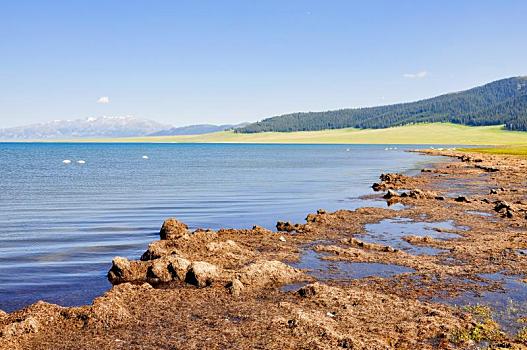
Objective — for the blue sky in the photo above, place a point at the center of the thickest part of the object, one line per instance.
(188, 62)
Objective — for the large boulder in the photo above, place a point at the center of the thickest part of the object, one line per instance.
(158, 249)
(124, 270)
(202, 274)
(167, 269)
(172, 229)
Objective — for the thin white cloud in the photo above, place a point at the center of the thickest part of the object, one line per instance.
(418, 75)
(104, 100)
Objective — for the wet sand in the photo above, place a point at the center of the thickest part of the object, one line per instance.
(443, 270)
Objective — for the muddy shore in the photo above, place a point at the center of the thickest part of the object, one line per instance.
(442, 268)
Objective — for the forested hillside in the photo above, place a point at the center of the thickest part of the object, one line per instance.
(500, 102)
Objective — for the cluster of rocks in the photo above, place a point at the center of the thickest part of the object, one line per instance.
(415, 194)
(161, 264)
(390, 181)
(508, 210)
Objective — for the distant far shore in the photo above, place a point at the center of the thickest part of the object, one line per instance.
(418, 134)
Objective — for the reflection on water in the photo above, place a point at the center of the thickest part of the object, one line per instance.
(61, 224)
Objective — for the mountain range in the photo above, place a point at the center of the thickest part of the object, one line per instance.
(500, 102)
(105, 127)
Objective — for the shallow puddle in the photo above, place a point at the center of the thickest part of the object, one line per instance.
(478, 213)
(508, 303)
(344, 270)
(391, 232)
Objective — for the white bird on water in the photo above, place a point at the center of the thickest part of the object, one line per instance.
(66, 161)
(81, 161)
(145, 157)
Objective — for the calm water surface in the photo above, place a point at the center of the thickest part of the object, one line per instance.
(61, 225)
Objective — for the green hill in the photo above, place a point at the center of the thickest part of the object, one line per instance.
(503, 102)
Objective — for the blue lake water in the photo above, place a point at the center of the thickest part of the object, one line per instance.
(61, 224)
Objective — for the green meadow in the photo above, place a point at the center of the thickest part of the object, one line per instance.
(438, 133)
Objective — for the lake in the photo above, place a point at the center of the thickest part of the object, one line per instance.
(61, 224)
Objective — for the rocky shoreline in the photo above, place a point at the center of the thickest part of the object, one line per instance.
(373, 278)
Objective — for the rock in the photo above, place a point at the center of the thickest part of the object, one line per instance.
(493, 191)
(158, 272)
(426, 170)
(391, 194)
(282, 239)
(311, 217)
(287, 226)
(202, 274)
(2, 314)
(311, 290)
(158, 249)
(378, 187)
(167, 269)
(172, 229)
(462, 199)
(178, 267)
(321, 211)
(266, 272)
(440, 198)
(124, 270)
(501, 206)
(235, 287)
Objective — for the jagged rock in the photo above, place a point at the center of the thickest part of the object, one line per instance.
(265, 272)
(501, 205)
(391, 194)
(2, 314)
(158, 249)
(202, 274)
(287, 226)
(311, 290)
(311, 217)
(124, 270)
(493, 191)
(172, 229)
(167, 269)
(391, 178)
(378, 187)
(321, 211)
(235, 287)
(462, 199)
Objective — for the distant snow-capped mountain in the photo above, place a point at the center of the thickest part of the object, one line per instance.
(97, 127)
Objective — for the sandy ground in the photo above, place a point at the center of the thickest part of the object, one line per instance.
(322, 284)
